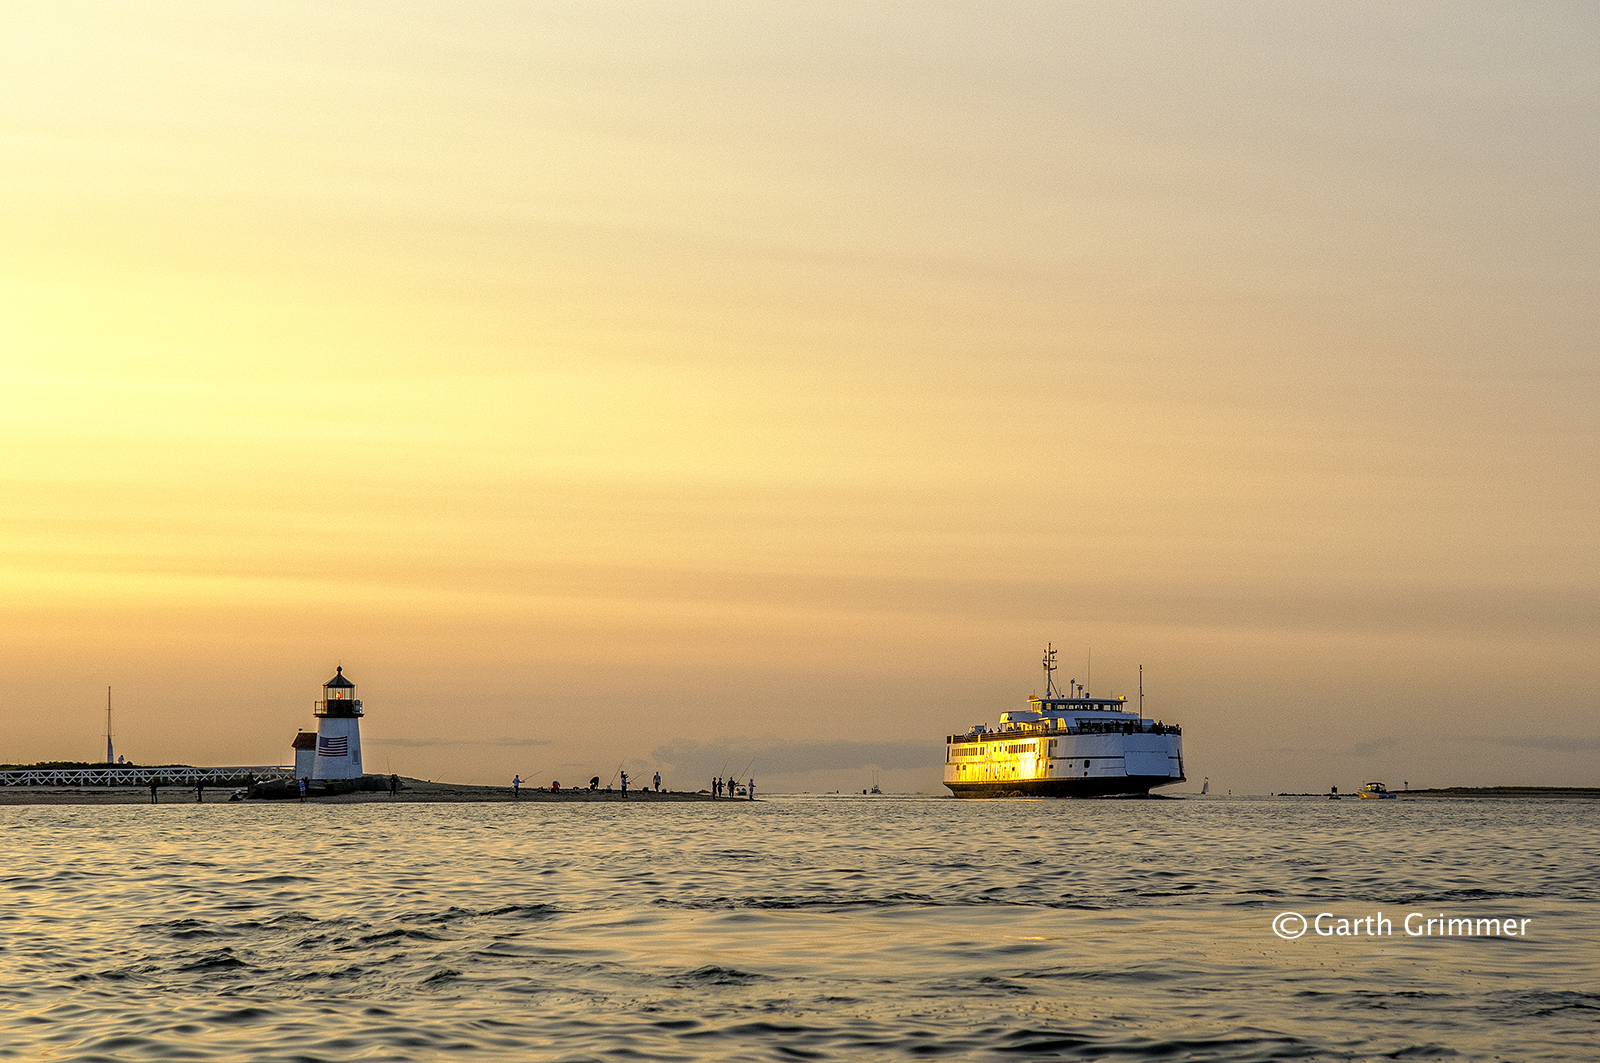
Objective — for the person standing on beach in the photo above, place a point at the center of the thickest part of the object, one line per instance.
(516, 786)
(658, 782)
(199, 792)
(394, 784)
(752, 787)
(153, 784)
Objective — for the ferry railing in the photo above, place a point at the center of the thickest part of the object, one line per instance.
(127, 775)
(1030, 730)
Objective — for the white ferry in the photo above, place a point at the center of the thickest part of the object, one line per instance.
(1067, 744)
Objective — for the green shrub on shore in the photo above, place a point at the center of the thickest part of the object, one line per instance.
(282, 789)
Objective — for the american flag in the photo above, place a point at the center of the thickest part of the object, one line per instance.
(333, 747)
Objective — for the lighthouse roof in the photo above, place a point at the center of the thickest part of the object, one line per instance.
(339, 680)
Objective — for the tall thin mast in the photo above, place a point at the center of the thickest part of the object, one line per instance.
(108, 725)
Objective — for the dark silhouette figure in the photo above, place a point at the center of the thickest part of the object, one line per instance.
(153, 784)
(199, 793)
(594, 783)
(394, 785)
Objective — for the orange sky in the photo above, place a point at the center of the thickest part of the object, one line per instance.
(674, 386)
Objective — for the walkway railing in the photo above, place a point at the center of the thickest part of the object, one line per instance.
(128, 775)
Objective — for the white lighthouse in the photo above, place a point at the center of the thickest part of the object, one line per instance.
(338, 730)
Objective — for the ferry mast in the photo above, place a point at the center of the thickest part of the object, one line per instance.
(1050, 690)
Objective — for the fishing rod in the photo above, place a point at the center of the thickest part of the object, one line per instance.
(733, 783)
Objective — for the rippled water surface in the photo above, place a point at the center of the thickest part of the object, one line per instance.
(798, 928)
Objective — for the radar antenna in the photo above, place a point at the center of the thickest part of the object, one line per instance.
(1050, 690)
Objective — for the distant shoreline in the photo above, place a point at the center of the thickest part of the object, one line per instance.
(422, 791)
(412, 791)
(1590, 792)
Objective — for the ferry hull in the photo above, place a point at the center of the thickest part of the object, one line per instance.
(1097, 756)
(1127, 785)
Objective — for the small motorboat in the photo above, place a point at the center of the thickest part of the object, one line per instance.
(1375, 791)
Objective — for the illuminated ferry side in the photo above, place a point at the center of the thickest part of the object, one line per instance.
(1064, 745)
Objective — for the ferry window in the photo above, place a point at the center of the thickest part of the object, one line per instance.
(1086, 763)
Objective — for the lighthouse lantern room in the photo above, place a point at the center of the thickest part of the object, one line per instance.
(338, 730)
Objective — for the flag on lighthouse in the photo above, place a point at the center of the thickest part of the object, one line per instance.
(328, 746)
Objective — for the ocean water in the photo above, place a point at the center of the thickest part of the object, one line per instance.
(797, 928)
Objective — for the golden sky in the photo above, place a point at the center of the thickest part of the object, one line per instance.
(673, 384)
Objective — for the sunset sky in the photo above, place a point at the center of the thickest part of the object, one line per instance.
(758, 388)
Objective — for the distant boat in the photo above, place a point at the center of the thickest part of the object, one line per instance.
(1375, 791)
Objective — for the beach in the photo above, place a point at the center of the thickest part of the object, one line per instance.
(412, 791)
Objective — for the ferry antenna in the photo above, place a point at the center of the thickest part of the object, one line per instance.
(1049, 667)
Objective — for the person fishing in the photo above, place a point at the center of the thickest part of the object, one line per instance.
(516, 787)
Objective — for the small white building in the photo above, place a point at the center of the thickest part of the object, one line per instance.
(305, 754)
(338, 731)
